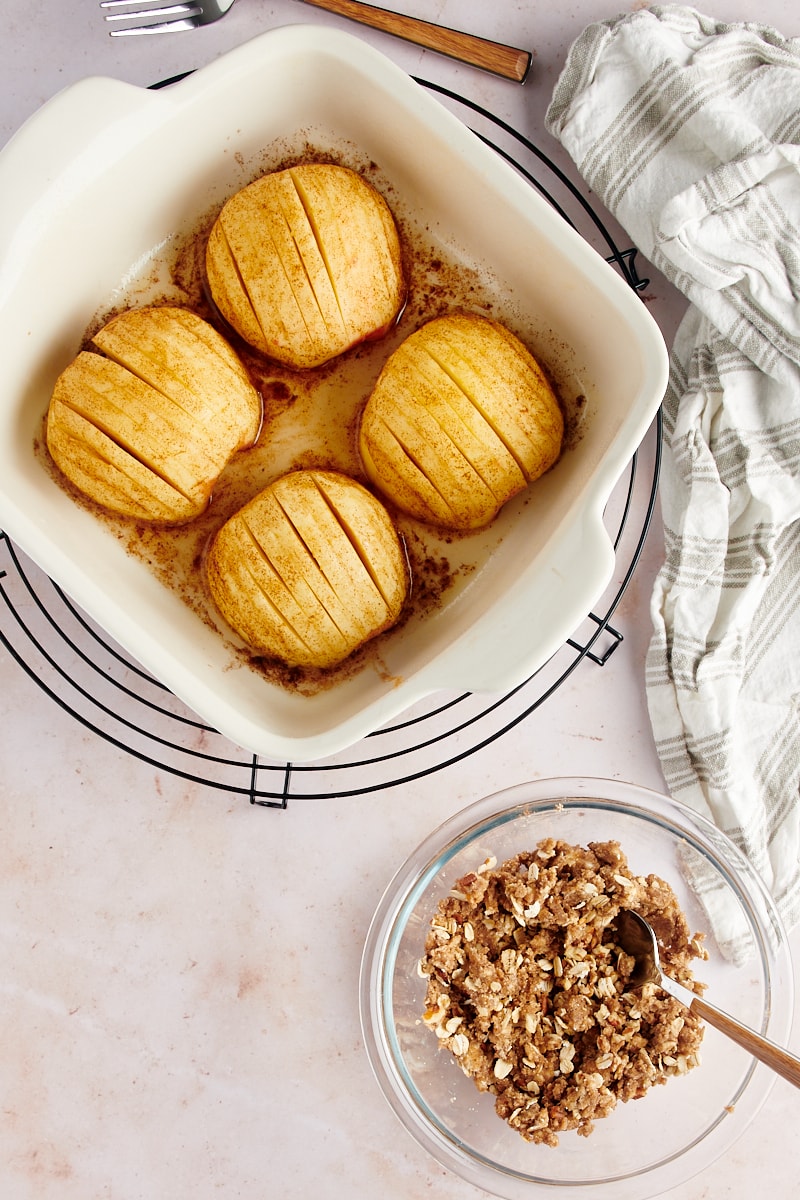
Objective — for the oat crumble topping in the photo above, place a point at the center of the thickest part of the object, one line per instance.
(528, 988)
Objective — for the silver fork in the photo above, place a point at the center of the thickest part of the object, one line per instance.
(162, 16)
(166, 16)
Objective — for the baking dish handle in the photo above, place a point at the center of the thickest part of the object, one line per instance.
(60, 141)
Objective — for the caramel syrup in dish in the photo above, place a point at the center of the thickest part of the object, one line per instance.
(311, 418)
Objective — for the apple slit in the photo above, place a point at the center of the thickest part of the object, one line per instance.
(457, 446)
(312, 224)
(448, 438)
(386, 266)
(479, 408)
(121, 361)
(412, 458)
(126, 448)
(313, 558)
(533, 365)
(350, 535)
(288, 276)
(274, 608)
(94, 455)
(242, 281)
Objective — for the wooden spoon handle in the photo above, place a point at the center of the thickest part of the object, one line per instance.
(778, 1059)
(507, 61)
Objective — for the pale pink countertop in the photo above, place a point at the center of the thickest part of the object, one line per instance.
(178, 993)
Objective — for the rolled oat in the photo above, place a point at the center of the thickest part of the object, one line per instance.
(528, 988)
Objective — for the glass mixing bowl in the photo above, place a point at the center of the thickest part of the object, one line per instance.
(645, 1146)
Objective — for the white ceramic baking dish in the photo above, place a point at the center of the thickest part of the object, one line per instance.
(106, 173)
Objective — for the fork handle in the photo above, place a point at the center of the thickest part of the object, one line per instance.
(506, 61)
(776, 1057)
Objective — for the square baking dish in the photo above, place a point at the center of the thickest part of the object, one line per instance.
(104, 176)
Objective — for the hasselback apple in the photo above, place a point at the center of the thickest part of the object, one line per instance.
(309, 569)
(462, 417)
(146, 420)
(305, 263)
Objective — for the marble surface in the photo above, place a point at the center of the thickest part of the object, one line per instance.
(178, 996)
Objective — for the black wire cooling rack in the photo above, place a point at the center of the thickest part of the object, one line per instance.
(81, 669)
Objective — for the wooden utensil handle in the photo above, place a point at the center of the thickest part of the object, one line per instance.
(778, 1059)
(506, 61)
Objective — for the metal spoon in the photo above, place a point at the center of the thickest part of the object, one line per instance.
(637, 938)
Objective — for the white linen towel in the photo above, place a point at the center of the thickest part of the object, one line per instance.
(688, 129)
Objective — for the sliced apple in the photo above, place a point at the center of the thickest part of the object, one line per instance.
(462, 417)
(99, 467)
(305, 263)
(309, 570)
(146, 426)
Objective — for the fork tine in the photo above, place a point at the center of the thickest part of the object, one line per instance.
(122, 4)
(159, 27)
(166, 10)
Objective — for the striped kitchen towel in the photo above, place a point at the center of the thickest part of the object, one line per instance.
(688, 129)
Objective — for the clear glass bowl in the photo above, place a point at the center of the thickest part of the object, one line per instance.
(645, 1146)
